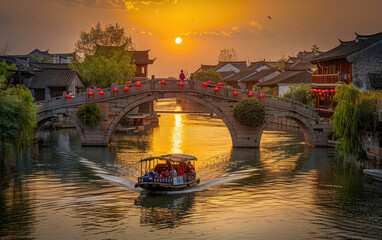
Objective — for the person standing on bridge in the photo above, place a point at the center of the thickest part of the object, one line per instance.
(182, 76)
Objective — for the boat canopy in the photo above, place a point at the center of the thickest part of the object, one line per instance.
(171, 157)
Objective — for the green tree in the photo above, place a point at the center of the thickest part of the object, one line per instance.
(44, 59)
(210, 74)
(6, 70)
(89, 114)
(354, 114)
(301, 93)
(17, 118)
(249, 112)
(111, 35)
(103, 56)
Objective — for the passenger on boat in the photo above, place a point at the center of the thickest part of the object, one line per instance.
(167, 173)
(180, 170)
(162, 173)
(184, 166)
(190, 168)
(146, 177)
(173, 173)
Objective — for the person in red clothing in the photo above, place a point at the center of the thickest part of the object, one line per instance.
(180, 170)
(190, 168)
(182, 76)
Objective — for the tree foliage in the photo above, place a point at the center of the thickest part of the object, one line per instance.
(111, 35)
(5, 69)
(89, 114)
(227, 55)
(17, 118)
(210, 74)
(249, 112)
(103, 56)
(353, 115)
(301, 94)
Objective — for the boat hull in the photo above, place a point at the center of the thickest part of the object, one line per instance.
(160, 187)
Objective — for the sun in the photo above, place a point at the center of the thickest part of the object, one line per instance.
(178, 40)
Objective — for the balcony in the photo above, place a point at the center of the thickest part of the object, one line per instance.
(331, 78)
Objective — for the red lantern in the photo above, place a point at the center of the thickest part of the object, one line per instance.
(209, 81)
(138, 84)
(335, 91)
(163, 82)
(312, 90)
(220, 84)
(246, 90)
(91, 94)
(216, 90)
(115, 90)
(181, 84)
(99, 89)
(274, 94)
(250, 94)
(205, 84)
(261, 96)
(126, 89)
(68, 97)
(320, 93)
(129, 82)
(235, 94)
(90, 90)
(101, 93)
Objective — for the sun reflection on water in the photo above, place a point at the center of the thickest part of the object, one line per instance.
(177, 135)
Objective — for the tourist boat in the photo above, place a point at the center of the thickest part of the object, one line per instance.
(152, 167)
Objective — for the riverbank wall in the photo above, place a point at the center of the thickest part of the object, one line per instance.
(372, 144)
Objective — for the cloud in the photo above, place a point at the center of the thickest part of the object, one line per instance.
(113, 4)
(256, 25)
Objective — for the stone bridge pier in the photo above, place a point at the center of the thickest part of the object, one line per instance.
(114, 106)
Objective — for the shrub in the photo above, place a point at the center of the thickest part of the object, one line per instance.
(249, 112)
(89, 114)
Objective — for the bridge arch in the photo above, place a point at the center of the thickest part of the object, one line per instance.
(303, 122)
(46, 117)
(195, 98)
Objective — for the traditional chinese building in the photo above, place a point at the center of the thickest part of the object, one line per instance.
(351, 61)
(52, 80)
(141, 60)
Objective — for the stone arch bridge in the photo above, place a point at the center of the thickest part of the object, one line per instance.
(114, 106)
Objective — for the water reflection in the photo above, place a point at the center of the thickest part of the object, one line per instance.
(165, 211)
(73, 192)
(177, 135)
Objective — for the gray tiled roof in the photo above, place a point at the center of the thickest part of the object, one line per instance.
(54, 78)
(291, 77)
(259, 75)
(347, 48)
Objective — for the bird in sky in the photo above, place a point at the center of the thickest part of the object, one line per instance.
(270, 17)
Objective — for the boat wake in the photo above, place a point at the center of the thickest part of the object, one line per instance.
(129, 185)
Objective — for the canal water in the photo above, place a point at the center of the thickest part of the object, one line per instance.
(284, 190)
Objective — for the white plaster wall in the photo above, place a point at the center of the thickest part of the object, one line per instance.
(228, 67)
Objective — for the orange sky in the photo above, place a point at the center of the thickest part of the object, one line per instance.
(206, 26)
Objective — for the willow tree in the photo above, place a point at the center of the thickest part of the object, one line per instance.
(353, 116)
(17, 118)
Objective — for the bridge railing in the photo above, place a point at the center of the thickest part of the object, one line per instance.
(172, 85)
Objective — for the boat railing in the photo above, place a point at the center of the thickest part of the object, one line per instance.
(186, 178)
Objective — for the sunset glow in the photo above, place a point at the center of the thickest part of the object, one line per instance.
(207, 27)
